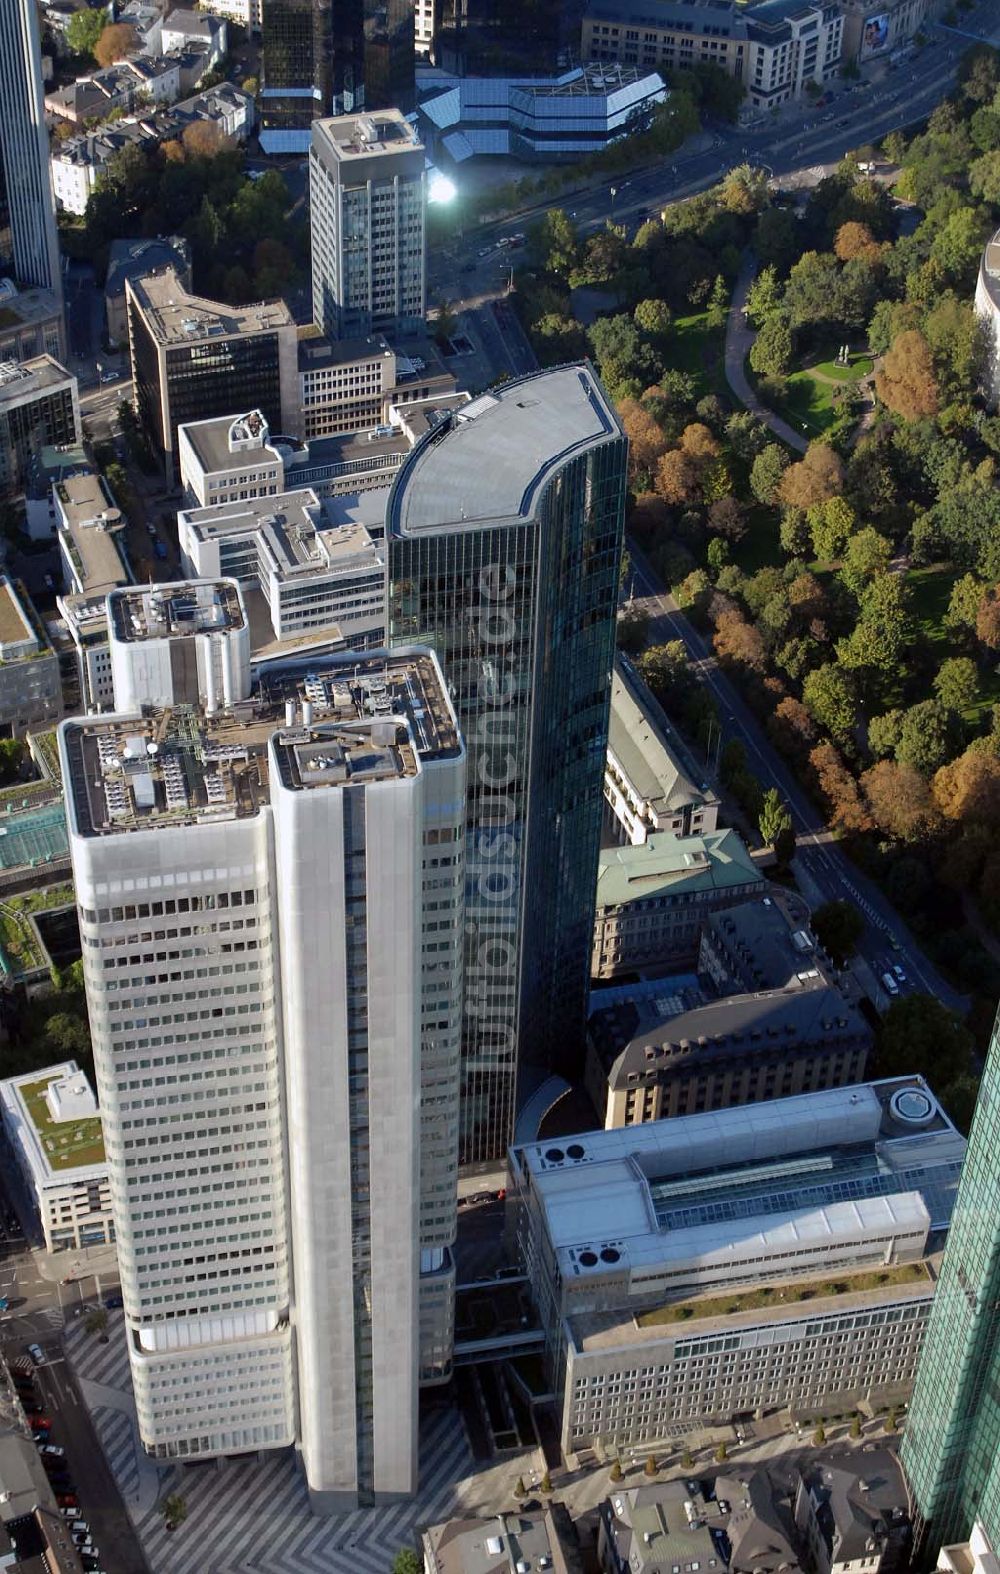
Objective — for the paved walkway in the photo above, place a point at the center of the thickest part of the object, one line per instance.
(739, 337)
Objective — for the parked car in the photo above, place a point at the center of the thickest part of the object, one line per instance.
(37, 1353)
(39, 1423)
(80, 1526)
(112, 1302)
(53, 1452)
(899, 972)
(889, 984)
(67, 1500)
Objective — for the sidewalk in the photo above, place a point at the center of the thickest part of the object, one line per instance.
(739, 337)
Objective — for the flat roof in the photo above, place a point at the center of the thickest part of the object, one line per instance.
(212, 442)
(21, 380)
(316, 351)
(183, 609)
(180, 766)
(177, 317)
(664, 862)
(55, 1147)
(658, 768)
(15, 625)
(366, 135)
(487, 462)
(291, 533)
(765, 946)
(93, 523)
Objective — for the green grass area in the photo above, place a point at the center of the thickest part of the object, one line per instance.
(808, 403)
(770, 1296)
(67, 1143)
(930, 589)
(42, 898)
(19, 949)
(696, 348)
(860, 365)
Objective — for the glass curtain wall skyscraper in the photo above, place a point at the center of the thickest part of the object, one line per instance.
(951, 1450)
(331, 57)
(29, 246)
(504, 537)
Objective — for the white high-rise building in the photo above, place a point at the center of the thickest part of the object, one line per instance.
(182, 644)
(366, 194)
(271, 908)
(29, 245)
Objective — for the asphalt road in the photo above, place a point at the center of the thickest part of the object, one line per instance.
(828, 869)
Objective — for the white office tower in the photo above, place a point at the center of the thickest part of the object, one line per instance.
(271, 907)
(29, 244)
(366, 194)
(182, 644)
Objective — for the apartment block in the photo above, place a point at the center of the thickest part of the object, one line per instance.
(192, 358)
(653, 898)
(367, 194)
(650, 780)
(278, 1069)
(51, 1121)
(39, 408)
(777, 1257)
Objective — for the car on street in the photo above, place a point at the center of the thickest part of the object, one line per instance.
(112, 1302)
(889, 984)
(39, 1423)
(52, 1451)
(37, 1353)
(900, 974)
(67, 1500)
(42, 1436)
(79, 1526)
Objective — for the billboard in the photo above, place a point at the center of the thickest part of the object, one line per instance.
(874, 35)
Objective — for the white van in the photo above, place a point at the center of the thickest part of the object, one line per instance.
(889, 984)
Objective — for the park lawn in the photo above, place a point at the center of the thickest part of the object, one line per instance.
(696, 348)
(931, 591)
(860, 365)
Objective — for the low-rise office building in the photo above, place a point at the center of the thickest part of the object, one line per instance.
(30, 691)
(228, 459)
(31, 324)
(870, 30)
(39, 408)
(777, 1257)
(650, 780)
(313, 577)
(192, 358)
(358, 385)
(975, 1556)
(51, 1120)
(653, 899)
(131, 259)
(643, 1065)
(754, 946)
(85, 665)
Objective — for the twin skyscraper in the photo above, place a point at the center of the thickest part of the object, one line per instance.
(336, 917)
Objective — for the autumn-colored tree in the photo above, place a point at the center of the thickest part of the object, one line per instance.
(845, 807)
(818, 476)
(854, 239)
(905, 381)
(116, 41)
(646, 441)
(682, 471)
(968, 788)
(899, 799)
(738, 641)
(173, 151)
(791, 727)
(988, 619)
(726, 516)
(807, 598)
(203, 139)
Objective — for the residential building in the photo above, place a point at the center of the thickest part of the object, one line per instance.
(140, 80)
(146, 17)
(51, 1121)
(846, 1521)
(653, 899)
(648, 1528)
(181, 29)
(131, 259)
(30, 692)
(39, 408)
(29, 246)
(549, 119)
(192, 358)
(774, 48)
(975, 1556)
(31, 324)
(760, 1528)
(366, 194)
(308, 842)
(645, 1062)
(180, 644)
(91, 534)
(313, 578)
(755, 946)
(950, 1452)
(987, 306)
(246, 12)
(544, 1540)
(650, 780)
(317, 62)
(504, 535)
(776, 1257)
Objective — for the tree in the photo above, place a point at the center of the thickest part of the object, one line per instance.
(816, 478)
(545, 1485)
(746, 435)
(771, 351)
(687, 1460)
(764, 296)
(988, 619)
(963, 604)
(890, 1423)
(651, 1466)
(775, 825)
(767, 471)
(84, 29)
(846, 810)
(646, 441)
(883, 733)
(736, 640)
(968, 789)
(721, 1454)
(682, 472)
(957, 683)
(791, 727)
(819, 1436)
(855, 239)
(744, 190)
(633, 628)
(838, 927)
(116, 41)
(929, 736)
(718, 303)
(866, 557)
(899, 799)
(519, 1488)
(615, 1473)
(96, 1321)
(828, 695)
(653, 318)
(407, 1561)
(855, 1430)
(920, 1036)
(554, 239)
(905, 381)
(174, 1511)
(557, 339)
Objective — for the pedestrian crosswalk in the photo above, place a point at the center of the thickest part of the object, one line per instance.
(252, 1516)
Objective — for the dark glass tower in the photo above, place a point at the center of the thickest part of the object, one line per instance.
(29, 246)
(951, 1451)
(332, 57)
(504, 539)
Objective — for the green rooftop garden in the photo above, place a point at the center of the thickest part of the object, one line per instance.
(770, 1296)
(67, 1144)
